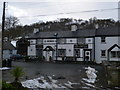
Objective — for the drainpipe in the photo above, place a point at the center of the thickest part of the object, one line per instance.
(56, 34)
(95, 41)
(108, 55)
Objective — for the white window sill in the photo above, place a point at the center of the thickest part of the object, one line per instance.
(103, 42)
(115, 57)
(103, 57)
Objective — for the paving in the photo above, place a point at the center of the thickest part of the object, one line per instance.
(63, 72)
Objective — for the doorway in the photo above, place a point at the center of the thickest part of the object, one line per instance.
(87, 55)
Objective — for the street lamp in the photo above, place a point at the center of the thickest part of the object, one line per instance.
(56, 34)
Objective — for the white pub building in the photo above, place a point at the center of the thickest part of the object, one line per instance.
(76, 45)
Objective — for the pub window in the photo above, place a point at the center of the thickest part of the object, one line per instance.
(61, 40)
(81, 40)
(70, 40)
(115, 54)
(31, 41)
(61, 52)
(103, 39)
(77, 52)
(103, 53)
(89, 40)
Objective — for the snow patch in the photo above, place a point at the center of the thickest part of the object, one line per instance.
(91, 74)
(69, 84)
(90, 85)
(34, 83)
(46, 82)
(4, 68)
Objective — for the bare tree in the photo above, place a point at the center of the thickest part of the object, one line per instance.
(11, 22)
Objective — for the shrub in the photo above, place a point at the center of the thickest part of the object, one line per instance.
(17, 73)
(26, 58)
(7, 86)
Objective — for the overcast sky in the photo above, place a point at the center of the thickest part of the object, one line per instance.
(31, 11)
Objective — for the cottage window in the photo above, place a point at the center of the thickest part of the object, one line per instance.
(103, 53)
(10, 52)
(103, 39)
(118, 53)
(61, 52)
(77, 52)
(115, 54)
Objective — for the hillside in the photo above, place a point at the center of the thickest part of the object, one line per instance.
(59, 24)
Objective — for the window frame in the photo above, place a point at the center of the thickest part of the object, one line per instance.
(61, 55)
(103, 53)
(77, 55)
(117, 54)
(103, 39)
(10, 51)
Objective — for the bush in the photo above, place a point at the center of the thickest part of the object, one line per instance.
(12, 86)
(43, 58)
(17, 73)
(7, 86)
(26, 58)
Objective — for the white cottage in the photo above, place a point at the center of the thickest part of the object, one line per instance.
(8, 50)
(77, 45)
(107, 44)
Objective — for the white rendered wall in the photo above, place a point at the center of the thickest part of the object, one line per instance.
(32, 41)
(71, 40)
(69, 48)
(32, 50)
(14, 51)
(110, 41)
(89, 40)
(6, 54)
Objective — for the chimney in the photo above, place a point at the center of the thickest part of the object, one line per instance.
(73, 27)
(35, 30)
(96, 26)
(6, 39)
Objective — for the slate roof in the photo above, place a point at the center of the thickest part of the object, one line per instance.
(111, 31)
(64, 34)
(8, 46)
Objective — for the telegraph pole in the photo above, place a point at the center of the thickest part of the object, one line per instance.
(3, 17)
(3, 28)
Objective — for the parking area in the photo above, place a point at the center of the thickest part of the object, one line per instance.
(65, 72)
